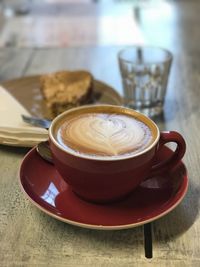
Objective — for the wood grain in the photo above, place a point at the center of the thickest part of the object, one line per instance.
(14, 62)
(29, 237)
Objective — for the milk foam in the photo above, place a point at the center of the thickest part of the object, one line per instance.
(103, 134)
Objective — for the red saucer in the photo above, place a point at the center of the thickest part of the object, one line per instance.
(151, 200)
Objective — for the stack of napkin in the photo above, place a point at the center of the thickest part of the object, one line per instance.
(13, 131)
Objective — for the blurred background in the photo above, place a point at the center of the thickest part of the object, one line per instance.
(65, 23)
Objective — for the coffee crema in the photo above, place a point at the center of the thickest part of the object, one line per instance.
(103, 134)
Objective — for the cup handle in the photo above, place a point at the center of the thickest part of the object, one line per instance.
(171, 162)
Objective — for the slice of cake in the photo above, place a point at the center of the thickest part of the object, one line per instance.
(66, 89)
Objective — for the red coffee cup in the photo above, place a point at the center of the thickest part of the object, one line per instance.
(104, 180)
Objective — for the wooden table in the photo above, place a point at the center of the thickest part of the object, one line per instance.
(28, 237)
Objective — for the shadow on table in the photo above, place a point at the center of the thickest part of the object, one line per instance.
(180, 219)
(165, 229)
(103, 242)
(14, 150)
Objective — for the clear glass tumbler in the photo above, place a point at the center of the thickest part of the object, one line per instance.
(144, 72)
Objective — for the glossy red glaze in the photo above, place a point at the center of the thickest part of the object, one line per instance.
(152, 199)
(103, 181)
(170, 162)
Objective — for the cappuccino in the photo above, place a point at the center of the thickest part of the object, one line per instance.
(104, 152)
(103, 133)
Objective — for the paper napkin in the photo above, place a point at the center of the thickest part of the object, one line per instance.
(13, 131)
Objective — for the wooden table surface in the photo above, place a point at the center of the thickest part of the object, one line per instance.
(28, 237)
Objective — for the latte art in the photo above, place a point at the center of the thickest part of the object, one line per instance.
(104, 134)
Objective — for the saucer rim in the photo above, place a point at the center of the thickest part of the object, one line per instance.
(100, 227)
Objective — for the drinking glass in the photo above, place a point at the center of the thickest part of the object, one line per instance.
(144, 72)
